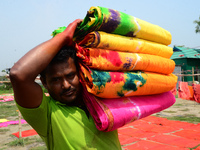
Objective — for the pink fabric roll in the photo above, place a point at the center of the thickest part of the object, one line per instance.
(111, 114)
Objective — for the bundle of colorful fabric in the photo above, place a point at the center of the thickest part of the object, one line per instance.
(123, 57)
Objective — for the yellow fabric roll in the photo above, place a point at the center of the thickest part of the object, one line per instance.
(115, 42)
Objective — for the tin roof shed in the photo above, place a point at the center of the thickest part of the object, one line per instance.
(188, 59)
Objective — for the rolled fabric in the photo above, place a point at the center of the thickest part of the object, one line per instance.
(107, 60)
(106, 84)
(116, 22)
(111, 114)
(103, 40)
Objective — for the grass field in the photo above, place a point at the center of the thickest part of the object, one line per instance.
(8, 111)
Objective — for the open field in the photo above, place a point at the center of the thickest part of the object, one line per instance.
(183, 110)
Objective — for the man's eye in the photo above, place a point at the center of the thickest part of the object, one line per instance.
(70, 76)
(55, 79)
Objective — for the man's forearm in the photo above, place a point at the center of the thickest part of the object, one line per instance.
(37, 59)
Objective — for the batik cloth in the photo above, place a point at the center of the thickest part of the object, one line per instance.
(103, 40)
(107, 84)
(111, 114)
(107, 60)
(116, 22)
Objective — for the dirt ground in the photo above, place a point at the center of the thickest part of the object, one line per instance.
(180, 108)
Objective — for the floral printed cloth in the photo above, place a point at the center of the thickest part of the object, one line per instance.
(107, 60)
(116, 22)
(107, 84)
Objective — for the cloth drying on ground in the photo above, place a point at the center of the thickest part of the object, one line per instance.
(116, 22)
(26, 133)
(3, 120)
(183, 90)
(108, 60)
(196, 88)
(6, 98)
(116, 42)
(5, 124)
(118, 84)
(111, 114)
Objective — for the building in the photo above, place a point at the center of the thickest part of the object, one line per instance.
(187, 63)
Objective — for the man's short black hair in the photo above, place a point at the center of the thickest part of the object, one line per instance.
(63, 55)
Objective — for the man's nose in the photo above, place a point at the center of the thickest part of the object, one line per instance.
(66, 84)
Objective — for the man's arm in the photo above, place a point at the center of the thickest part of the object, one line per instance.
(27, 92)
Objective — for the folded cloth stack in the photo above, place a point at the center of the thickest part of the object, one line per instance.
(123, 57)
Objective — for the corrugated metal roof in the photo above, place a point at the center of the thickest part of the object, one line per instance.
(184, 52)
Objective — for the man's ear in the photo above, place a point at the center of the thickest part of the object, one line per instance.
(44, 83)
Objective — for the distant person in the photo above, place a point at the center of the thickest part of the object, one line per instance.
(62, 119)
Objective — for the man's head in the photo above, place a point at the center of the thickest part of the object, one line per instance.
(60, 77)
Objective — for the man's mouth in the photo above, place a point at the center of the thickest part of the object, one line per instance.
(68, 93)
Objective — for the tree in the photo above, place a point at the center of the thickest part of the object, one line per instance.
(198, 25)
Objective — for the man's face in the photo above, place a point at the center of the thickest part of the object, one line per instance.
(62, 82)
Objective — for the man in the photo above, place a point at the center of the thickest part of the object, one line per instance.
(62, 119)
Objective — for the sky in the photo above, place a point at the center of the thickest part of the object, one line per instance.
(25, 24)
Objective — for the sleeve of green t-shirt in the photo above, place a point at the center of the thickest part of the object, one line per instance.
(37, 117)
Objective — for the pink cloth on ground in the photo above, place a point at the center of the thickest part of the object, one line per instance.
(5, 124)
(196, 88)
(6, 98)
(183, 90)
(111, 114)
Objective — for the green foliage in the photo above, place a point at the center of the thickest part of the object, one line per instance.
(197, 30)
(6, 86)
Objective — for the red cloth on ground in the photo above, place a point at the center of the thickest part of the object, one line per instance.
(26, 133)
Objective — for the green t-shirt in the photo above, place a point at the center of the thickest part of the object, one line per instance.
(68, 128)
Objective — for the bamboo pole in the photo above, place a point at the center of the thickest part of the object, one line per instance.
(192, 74)
(20, 126)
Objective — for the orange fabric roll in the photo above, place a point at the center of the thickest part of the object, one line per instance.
(108, 60)
(119, 84)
